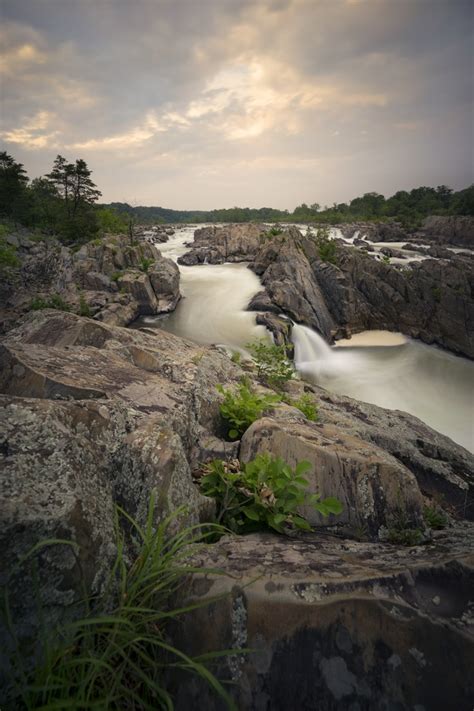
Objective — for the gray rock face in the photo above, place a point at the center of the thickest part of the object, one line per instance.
(336, 625)
(164, 279)
(232, 243)
(93, 416)
(430, 300)
(372, 485)
(455, 229)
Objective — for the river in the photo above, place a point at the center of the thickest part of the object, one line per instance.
(378, 367)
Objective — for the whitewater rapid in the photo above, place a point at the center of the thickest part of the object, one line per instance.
(381, 368)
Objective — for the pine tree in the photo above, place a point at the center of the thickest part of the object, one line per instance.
(13, 180)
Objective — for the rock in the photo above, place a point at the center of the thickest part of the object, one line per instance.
(373, 487)
(444, 470)
(390, 252)
(285, 266)
(95, 281)
(262, 302)
(431, 300)
(456, 229)
(334, 624)
(231, 243)
(138, 285)
(363, 244)
(439, 252)
(280, 328)
(92, 416)
(164, 279)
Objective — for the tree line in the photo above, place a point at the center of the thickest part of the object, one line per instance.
(64, 202)
(408, 208)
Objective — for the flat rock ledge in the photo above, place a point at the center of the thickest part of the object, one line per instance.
(337, 624)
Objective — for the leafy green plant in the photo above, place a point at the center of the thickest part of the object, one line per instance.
(275, 231)
(272, 362)
(236, 357)
(118, 655)
(385, 259)
(55, 301)
(242, 406)
(265, 493)
(116, 276)
(401, 530)
(435, 517)
(84, 308)
(145, 264)
(306, 404)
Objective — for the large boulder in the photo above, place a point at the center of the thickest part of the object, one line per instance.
(374, 488)
(334, 624)
(231, 243)
(164, 279)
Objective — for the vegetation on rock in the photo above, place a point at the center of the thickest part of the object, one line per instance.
(242, 406)
(273, 365)
(265, 493)
(120, 652)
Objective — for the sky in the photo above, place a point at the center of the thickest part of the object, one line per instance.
(201, 104)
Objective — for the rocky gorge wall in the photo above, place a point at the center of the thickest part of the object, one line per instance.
(93, 415)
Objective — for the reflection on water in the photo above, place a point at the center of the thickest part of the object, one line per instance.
(426, 381)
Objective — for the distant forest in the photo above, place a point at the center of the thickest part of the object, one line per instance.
(409, 208)
(64, 203)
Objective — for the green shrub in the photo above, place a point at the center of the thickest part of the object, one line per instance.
(119, 654)
(145, 264)
(55, 301)
(306, 404)
(327, 247)
(275, 231)
(84, 309)
(272, 362)
(116, 276)
(405, 536)
(436, 291)
(385, 259)
(435, 517)
(243, 406)
(236, 357)
(266, 493)
(8, 256)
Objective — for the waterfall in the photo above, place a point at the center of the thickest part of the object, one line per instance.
(312, 353)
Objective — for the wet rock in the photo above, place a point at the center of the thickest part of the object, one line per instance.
(280, 328)
(353, 623)
(430, 300)
(164, 279)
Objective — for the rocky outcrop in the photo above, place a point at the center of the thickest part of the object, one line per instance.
(456, 229)
(109, 279)
(431, 300)
(335, 625)
(93, 416)
(372, 485)
(90, 417)
(231, 243)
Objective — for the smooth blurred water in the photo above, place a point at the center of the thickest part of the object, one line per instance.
(434, 385)
(377, 367)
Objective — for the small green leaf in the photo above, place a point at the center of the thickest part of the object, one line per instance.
(233, 434)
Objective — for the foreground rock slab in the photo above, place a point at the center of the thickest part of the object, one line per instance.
(337, 624)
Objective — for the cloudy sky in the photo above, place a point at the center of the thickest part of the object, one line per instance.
(214, 103)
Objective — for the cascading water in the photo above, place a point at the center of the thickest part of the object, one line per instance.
(434, 385)
(379, 368)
